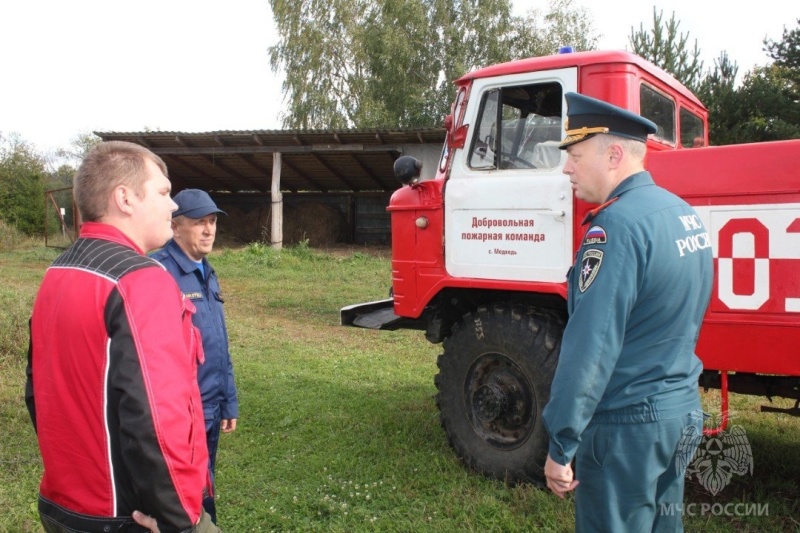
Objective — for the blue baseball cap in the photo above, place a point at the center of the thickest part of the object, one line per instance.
(586, 117)
(194, 203)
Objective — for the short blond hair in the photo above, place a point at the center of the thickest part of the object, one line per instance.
(106, 166)
(632, 147)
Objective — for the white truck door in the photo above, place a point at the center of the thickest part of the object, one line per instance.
(508, 206)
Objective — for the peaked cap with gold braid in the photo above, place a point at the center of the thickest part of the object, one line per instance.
(586, 117)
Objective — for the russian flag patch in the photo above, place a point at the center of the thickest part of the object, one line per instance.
(595, 235)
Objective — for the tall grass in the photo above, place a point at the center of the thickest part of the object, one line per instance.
(339, 431)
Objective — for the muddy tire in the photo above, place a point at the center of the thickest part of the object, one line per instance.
(493, 382)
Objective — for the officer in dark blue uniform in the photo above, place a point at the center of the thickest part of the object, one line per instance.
(194, 227)
(626, 386)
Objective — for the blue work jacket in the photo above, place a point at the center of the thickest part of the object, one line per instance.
(637, 294)
(215, 376)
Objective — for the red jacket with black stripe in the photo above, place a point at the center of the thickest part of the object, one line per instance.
(112, 385)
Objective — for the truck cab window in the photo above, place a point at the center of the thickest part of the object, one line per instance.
(660, 109)
(692, 134)
(518, 128)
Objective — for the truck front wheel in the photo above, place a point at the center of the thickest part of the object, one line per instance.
(493, 382)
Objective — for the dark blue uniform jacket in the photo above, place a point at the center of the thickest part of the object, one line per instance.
(215, 376)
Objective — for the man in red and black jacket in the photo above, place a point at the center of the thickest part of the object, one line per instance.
(112, 365)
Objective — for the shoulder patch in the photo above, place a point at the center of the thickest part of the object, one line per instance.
(590, 266)
(595, 235)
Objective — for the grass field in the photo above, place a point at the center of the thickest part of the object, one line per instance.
(339, 431)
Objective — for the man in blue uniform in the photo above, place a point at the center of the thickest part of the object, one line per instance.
(194, 228)
(626, 385)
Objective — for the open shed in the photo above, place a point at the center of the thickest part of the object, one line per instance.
(320, 185)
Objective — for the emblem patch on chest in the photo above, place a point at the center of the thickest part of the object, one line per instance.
(590, 266)
(595, 235)
(194, 295)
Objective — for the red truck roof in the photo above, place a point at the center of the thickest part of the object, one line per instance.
(580, 59)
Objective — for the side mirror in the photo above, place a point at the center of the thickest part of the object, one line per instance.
(407, 169)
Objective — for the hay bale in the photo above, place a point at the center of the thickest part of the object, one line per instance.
(315, 221)
(242, 226)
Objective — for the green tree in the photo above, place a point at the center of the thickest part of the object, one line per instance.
(717, 91)
(22, 177)
(766, 106)
(786, 52)
(786, 56)
(664, 46)
(391, 63)
(374, 64)
(769, 106)
(61, 177)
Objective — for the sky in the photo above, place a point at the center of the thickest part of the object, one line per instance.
(79, 66)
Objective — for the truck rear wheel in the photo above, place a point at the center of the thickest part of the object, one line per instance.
(493, 382)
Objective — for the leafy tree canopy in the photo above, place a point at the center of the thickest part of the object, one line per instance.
(786, 52)
(766, 106)
(769, 108)
(22, 178)
(542, 32)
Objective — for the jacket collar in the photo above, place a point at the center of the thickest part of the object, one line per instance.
(640, 179)
(107, 232)
(186, 263)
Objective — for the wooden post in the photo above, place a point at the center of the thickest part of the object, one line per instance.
(276, 219)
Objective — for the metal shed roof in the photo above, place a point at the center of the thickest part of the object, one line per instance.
(356, 160)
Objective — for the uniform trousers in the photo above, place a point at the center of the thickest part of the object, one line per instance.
(630, 473)
(213, 416)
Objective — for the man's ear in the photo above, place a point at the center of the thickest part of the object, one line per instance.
(615, 155)
(121, 199)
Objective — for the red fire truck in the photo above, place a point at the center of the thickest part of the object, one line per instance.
(481, 246)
